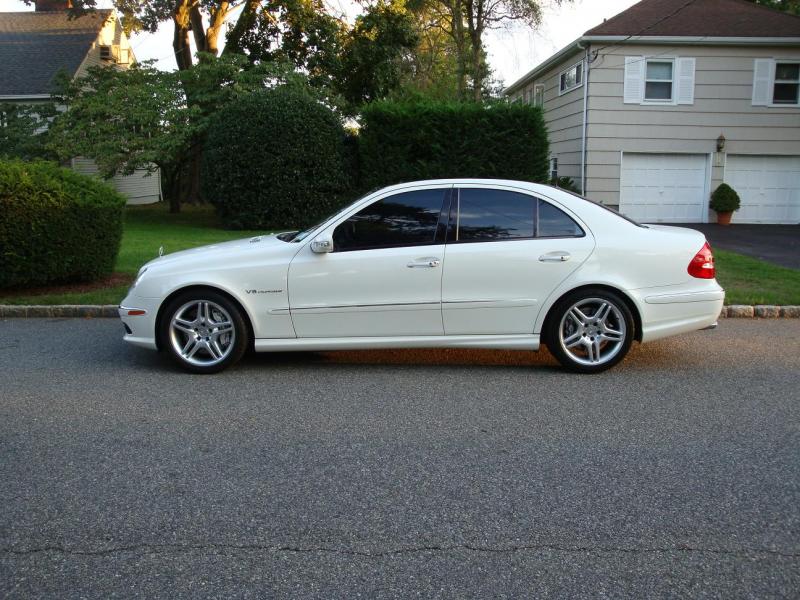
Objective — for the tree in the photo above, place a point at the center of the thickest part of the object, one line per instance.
(789, 6)
(23, 130)
(140, 118)
(376, 52)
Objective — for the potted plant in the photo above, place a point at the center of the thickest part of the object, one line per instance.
(724, 200)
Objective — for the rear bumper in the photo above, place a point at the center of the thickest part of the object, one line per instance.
(665, 313)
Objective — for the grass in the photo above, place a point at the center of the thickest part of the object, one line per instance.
(146, 229)
(746, 280)
(752, 281)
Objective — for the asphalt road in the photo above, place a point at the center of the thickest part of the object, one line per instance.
(399, 473)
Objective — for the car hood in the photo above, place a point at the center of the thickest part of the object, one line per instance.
(218, 253)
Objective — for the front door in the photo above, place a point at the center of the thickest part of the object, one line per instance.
(384, 275)
(506, 252)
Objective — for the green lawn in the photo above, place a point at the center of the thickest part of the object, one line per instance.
(146, 228)
(746, 280)
(752, 281)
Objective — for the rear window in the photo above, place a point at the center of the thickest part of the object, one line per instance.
(608, 208)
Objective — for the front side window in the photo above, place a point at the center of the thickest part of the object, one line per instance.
(658, 81)
(787, 83)
(571, 78)
(405, 219)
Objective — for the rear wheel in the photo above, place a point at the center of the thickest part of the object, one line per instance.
(590, 331)
(204, 331)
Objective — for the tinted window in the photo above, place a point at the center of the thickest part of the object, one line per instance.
(554, 222)
(406, 219)
(491, 215)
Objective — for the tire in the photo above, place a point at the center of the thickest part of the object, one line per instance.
(590, 330)
(213, 322)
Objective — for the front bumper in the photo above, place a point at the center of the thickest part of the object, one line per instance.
(138, 316)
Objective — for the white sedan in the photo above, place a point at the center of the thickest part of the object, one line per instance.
(457, 263)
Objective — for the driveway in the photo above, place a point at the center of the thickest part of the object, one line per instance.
(396, 474)
(778, 244)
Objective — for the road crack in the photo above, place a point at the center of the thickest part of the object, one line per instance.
(222, 548)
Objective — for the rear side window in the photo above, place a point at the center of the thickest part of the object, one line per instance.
(486, 215)
(490, 215)
(405, 219)
(554, 222)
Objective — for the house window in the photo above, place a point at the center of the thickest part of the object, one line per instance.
(571, 78)
(786, 89)
(538, 95)
(658, 81)
(527, 96)
(553, 169)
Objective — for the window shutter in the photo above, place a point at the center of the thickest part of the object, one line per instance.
(634, 80)
(763, 70)
(685, 79)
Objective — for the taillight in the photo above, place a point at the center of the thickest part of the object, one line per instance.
(702, 265)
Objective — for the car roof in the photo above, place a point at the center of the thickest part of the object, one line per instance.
(471, 181)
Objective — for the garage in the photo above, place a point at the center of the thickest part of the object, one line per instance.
(664, 188)
(769, 187)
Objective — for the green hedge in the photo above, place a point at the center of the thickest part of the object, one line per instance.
(275, 159)
(55, 225)
(406, 141)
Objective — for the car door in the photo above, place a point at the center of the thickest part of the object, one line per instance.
(507, 250)
(383, 276)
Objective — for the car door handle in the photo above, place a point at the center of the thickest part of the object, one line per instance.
(428, 262)
(555, 257)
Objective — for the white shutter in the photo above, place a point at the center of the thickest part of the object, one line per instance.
(634, 80)
(685, 79)
(763, 70)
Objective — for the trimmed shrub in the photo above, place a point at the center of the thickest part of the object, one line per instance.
(406, 141)
(56, 225)
(273, 159)
(724, 199)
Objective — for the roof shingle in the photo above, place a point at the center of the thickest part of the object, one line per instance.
(35, 46)
(700, 18)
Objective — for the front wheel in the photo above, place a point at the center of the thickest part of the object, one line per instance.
(204, 331)
(590, 331)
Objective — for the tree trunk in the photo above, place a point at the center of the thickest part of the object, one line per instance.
(180, 40)
(215, 26)
(244, 23)
(477, 68)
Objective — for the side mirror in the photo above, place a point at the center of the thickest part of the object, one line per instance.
(322, 244)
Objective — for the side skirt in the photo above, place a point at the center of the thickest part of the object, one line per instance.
(498, 342)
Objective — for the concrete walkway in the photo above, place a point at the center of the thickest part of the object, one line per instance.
(778, 244)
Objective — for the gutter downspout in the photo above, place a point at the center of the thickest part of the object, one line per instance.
(585, 116)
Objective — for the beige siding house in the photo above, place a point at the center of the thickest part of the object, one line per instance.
(653, 109)
(36, 46)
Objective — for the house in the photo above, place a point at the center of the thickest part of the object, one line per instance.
(36, 46)
(654, 108)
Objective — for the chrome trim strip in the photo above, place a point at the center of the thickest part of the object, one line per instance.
(348, 306)
(127, 308)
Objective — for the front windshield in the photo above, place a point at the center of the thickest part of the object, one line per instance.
(299, 236)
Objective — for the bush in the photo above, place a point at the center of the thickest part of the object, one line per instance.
(274, 159)
(56, 225)
(565, 183)
(405, 141)
(724, 199)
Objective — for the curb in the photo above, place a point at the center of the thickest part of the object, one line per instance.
(100, 311)
(73, 311)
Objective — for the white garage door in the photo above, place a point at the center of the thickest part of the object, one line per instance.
(666, 188)
(769, 187)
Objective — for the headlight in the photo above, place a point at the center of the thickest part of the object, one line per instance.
(136, 281)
